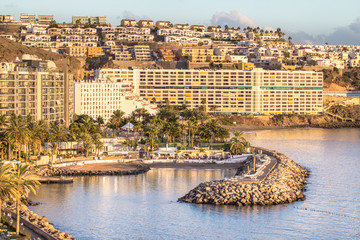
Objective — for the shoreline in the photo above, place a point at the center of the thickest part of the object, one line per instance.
(332, 125)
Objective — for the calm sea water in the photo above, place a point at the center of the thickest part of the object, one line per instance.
(145, 207)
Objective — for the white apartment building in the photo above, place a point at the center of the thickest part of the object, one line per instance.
(118, 75)
(113, 89)
(184, 39)
(98, 98)
(141, 53)
(236, 58)
(236, 91)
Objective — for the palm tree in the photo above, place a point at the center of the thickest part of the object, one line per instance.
(18, 131)
(238, 144)
(140, 114)
(174, 131)
(137, 129)
(117, 119)
(58, 133)
(74, 130)
(152, 130)
(98, 144)
(8, 143)
(24, 182)
(7, 189)
(2, 121)
(192, 127)
(203, 104)
(87, 142)
(213, 108)
(38, 132)
(182, 129)
(100, 121)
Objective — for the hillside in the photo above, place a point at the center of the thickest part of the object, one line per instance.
(10, 50)
(341, 80)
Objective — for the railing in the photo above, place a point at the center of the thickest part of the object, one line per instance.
(341, 93)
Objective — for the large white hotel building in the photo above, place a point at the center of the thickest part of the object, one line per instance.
(255, 91)
(234, 91)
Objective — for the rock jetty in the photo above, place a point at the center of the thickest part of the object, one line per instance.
(283, 184)
(55, 171)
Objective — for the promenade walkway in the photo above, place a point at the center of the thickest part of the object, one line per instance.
(29, 229)
(264, 164)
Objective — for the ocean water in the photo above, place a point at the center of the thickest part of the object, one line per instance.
(146, 207)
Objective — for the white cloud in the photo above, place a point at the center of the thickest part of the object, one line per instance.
(355, 27)
(232, 19)
(130, 15)
(342, 35)
(348, 35)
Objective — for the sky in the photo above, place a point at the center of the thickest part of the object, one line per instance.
(306, 21)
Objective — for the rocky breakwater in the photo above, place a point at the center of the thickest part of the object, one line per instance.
(35, 221)
(284, 184)
(57, 171)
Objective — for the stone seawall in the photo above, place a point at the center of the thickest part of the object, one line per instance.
(35, 222)
(283, 184)
(54, 172)
(337, 125)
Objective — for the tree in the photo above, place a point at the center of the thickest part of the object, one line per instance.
(153, 100)
(98, 144)
(87, 142)
(7, 143)
(2, 121)
(238, 144)
(213, 108)
(24, 182)
(100, 121)
(58, 134)
(137, 129)
(117, 119)
(152, 130)
(38, 132)
(183, 129)
(18, 131)
(203, 102)
(140, 114)
(192, 127)
(7, 189)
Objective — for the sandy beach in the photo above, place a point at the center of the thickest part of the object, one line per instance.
(106, 166)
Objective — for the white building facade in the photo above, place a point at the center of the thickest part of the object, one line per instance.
(97, 98)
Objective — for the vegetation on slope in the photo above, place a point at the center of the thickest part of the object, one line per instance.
(348, 78)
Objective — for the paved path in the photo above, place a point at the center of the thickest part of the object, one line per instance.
(260, 174)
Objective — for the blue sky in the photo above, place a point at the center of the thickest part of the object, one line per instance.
(306, 21)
